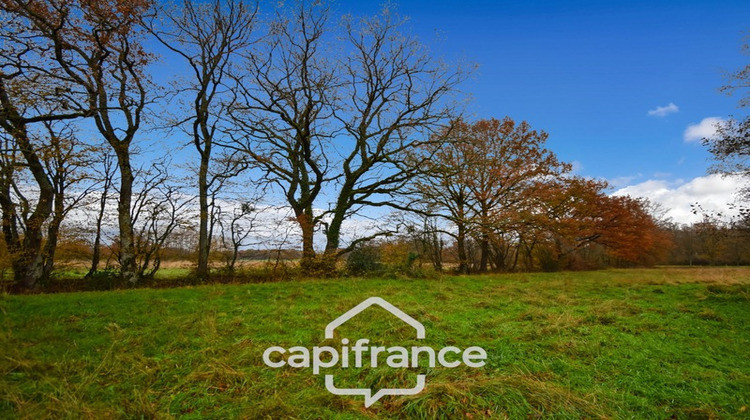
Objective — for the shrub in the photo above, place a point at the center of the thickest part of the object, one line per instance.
(106, 279)
(322, 266)
(364, 259)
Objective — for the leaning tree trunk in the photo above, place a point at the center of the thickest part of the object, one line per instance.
(53, 230)
(28, 261)
(333, 234)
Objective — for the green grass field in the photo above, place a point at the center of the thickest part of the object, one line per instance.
(657, 343)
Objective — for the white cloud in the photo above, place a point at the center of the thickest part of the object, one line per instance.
(622, 181)
(704, 129)
(663, 111)
(712, 192)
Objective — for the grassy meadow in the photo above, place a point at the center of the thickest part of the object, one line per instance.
(642, 343)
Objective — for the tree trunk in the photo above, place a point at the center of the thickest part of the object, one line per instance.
(235, 254)
(204, 241)
(96, 257)
(484, 247)
(305, 220)
(333, 234)
(28, 266)
(437, 251)
(53, 230)
(501, 253)
(463, 260)
(98, 238)
(515, 259)
(128, 269)
(26, 253)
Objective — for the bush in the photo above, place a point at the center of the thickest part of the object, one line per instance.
(364, 259)
(547, 260)
(106, 279)
(321, 266)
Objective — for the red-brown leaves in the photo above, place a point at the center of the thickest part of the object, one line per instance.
(496, 181)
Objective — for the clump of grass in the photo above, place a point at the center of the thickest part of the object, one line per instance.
(514, 395)
(729, 291)
(710, 314)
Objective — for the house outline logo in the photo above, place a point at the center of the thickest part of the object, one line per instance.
(277, 357)
(371, 398)
(351, 313)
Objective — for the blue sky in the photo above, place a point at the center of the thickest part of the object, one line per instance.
(589, 72)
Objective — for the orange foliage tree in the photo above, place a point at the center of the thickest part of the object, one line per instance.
(508, 195)
(582, 216)
(485, 179)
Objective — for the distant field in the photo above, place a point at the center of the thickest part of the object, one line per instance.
(645, 343)
(168, 269)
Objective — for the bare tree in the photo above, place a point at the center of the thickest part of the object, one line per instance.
(284, 103)
(428, 241)
(105, 173)
(228, 166)
(63, 159)
(396, 97)
(34, 90)
(236, 227)
(66, 160)
(97, 50)
(207, 37)
(159, 208)
(444, 187)
(305, 111)
(730, 146)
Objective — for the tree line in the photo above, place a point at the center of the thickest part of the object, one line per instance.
(339, 116)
